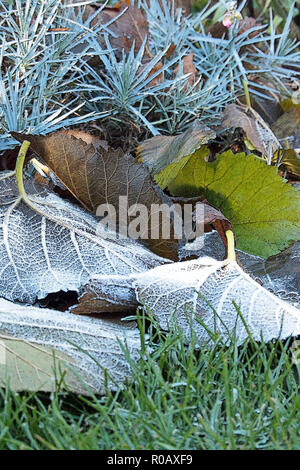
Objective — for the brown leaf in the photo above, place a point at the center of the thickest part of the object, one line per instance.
(109, 296)
(218, 30)
(158, 79)
(247, 23)
(256, 130)
(170, 51)
(188, 67)
(98, 175)
(212, 217)
(131, 27)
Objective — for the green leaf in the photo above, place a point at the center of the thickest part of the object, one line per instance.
(166, 176)
(166, 155)
(263, 209)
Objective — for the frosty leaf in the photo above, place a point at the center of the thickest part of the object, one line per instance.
(194, 293)
(280, 273)
(107, 295)
(165, 156)
(83, 347)
(97, 175)
(263, 209)
(256, 130)
(51, 245)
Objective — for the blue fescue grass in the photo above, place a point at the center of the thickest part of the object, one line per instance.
(46, 81)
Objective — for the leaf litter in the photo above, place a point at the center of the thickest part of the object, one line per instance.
(68, 252)
(49, 244)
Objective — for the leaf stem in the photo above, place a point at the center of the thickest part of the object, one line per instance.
(19, 168)
(247, 94)
(230, 246)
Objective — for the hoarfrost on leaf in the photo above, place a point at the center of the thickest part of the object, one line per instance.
(48, 245)
(219, 295)
(86, 349)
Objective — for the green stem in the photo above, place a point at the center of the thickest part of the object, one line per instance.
(230, 246)
(247, 94)
(19, 168)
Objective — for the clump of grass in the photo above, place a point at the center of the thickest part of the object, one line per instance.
(230, 397)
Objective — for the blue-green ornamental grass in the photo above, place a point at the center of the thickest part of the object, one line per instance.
(46, 82)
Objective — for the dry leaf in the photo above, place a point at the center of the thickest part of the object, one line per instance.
(188, 67)
(131, 27)
(160, 151)
(280, 273)
(287, 125)
(248, 23)
(106, 295)
(256, 130)
(214, 217)
(158, 79)
(208, 216)
(48, 244)
(95, 176)
(200, 294)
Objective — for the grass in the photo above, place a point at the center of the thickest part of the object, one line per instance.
(245, 397)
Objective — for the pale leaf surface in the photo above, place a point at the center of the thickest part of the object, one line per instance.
(204, 290)
(53, 245)
(84, 347)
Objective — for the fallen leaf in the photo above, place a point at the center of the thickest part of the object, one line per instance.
(48, 245)
(130, 27)
(287, 125)
(290, 159)
(192, 294)
(280, 273)
(248, 23)
(206, 216)
(85, 350)
(171, 153)
(96, 175)
(206, 294)
(264, 210)
(269, 109)
(114, 295)
(156, 80)
(218, 30)
(257, 131)
(187, 66)
(214, 217)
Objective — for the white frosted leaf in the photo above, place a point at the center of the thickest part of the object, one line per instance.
(205, 289)
(48, 245)
(83, 346)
